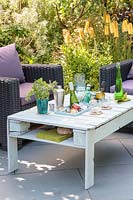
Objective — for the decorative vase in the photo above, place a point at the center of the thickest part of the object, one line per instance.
(42, 106)
(119, 92)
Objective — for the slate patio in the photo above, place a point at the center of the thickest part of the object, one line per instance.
(55, 172)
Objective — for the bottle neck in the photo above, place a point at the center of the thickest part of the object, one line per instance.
(118, 72)
(87, 88)
(71, 92)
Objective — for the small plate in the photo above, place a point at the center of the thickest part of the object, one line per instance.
(106, 108)
(96, 113)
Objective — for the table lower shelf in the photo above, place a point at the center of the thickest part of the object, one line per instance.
(32, 135)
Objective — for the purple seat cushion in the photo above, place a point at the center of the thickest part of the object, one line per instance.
(127, 86)
(130, 74)
(9, 63)
(24, 88)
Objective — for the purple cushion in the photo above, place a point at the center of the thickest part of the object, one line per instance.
(130, 74)
(9, 63)
(127, 86)
(112, 89)
(24, 88)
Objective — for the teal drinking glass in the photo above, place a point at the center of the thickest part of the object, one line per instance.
(42, 106)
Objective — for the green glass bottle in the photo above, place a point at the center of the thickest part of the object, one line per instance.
(118, 84)
(87, 96)
(73, 97)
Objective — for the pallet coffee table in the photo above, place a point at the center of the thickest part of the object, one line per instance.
(87, 130)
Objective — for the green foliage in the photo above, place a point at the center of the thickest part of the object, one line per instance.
(36, 27)
(71, 12)
(41, 89)
(78, 59)
(16, 34)
(21, 23)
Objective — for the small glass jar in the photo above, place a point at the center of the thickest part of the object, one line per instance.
(100, 95)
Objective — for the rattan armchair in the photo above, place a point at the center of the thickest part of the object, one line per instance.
(10, 95)
(108, 74)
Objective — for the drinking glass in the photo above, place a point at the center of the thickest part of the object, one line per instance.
(79, 80)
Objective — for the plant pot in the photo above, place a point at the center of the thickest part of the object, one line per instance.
(42, 106)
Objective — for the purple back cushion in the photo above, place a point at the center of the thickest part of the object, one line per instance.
(127, 86)
(24, 89)
(9, 63)
(130, 74)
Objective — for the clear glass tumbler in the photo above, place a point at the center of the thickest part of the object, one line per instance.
(79, 80)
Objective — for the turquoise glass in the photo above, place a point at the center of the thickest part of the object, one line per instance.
(42, 106)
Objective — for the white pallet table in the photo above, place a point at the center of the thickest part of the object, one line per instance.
(87, 130)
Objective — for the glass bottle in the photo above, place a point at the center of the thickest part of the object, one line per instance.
(73, 97)
(102, 89)
(100, 95)
(118, 84)
(87, 96)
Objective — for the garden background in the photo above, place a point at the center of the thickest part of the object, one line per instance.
(82, 35)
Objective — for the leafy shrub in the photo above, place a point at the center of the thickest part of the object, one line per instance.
(21, 23)
(81, 54)
(82, 60)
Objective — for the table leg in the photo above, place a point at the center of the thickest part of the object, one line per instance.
(89, 160)
(12, 152)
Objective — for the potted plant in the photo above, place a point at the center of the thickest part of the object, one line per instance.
(41, 91)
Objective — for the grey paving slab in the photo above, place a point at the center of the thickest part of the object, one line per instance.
(128, 143)
(113, 183)
(3, 162)
(108, 152)
(35, 158)
(57, 185)
(123, 134)
(49, 157)
(48, 171)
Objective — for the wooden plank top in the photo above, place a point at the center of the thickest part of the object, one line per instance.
(85, 121)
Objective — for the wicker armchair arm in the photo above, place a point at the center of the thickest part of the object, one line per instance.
(9, 104)
(46, 71)
(9, 100)
(108, 73)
